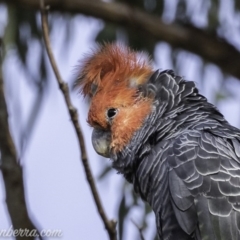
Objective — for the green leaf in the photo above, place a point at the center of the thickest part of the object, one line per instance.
(213, 16)
(122, 213)
(220, 96)
(181, 11)
(107, 34)
(105, 171)
(237, 5)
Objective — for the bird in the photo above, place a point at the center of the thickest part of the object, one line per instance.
(175, 147)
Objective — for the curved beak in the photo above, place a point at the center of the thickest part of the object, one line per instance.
(101, 140)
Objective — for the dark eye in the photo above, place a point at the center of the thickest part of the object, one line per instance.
(111, 112)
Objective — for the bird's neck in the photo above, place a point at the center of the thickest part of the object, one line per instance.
(194, 113)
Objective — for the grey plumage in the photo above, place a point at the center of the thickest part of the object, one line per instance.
(185, 162)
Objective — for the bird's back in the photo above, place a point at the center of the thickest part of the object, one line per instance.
(191, 175)
(202, 196)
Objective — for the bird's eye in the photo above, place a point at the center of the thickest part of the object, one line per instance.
(111, 112)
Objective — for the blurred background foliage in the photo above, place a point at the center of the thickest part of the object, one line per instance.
(23, 30)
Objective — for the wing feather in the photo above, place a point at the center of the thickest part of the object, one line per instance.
(204, 181)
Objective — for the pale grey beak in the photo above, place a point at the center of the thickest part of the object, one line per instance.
(101, 140)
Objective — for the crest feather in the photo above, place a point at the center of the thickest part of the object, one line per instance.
(115, 59)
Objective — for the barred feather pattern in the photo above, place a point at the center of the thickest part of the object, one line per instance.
(185, 162)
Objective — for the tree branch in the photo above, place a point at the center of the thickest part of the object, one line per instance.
(110, 225)
(12, 172)
(210, 47)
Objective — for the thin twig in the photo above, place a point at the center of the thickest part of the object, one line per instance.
(12, 173)
(139, 229)
(110, 225)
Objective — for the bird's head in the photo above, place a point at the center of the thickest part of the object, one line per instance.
(111, 76)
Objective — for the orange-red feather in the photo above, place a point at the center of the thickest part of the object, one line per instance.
(110, 76)
(116, 60)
